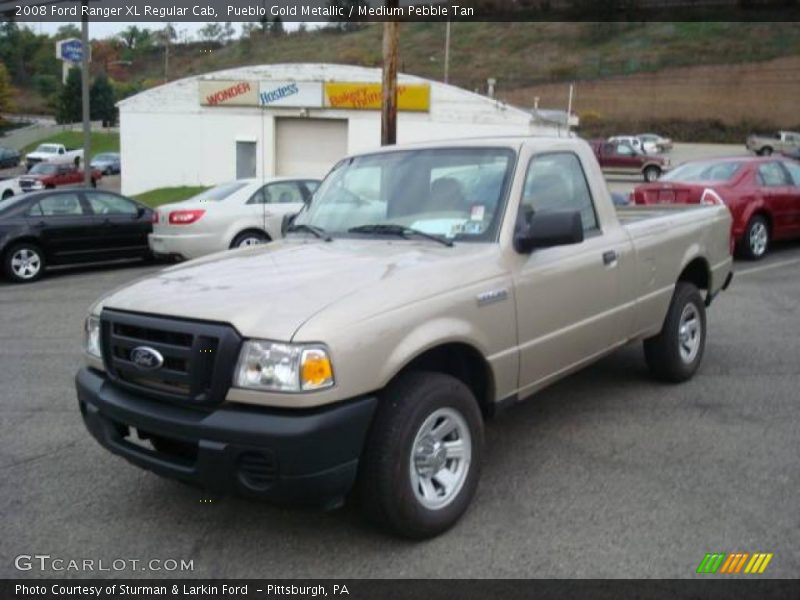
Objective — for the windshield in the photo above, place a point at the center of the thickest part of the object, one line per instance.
(449, 192)
(43, 169)
(219, 192)
(704, 171)
(47, 148)
(106, 157)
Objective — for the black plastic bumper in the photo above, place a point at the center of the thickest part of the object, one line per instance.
(285, 456)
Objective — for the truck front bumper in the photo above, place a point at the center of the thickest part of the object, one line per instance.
(285, 456)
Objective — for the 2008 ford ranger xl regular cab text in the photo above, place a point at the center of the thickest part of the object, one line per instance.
(424, 287)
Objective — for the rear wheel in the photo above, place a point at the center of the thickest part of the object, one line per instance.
(755, 242)
(249, 238)
(24, 262)
(651, 174)
(422, 460)
(765, 151)
(675, 354)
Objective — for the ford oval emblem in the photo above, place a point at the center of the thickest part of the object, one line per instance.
(146, 358)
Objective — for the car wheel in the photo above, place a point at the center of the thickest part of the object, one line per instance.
(249, 238)
(675, 354)
(765, 151)
(24, 262)
(651, 174)
(422, 459)
(7, 194)
(755, 242)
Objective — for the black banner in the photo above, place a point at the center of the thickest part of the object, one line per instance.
(434, 589)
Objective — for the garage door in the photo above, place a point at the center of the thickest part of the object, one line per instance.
(309, 146)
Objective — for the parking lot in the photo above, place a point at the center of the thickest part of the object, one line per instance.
(606, 474)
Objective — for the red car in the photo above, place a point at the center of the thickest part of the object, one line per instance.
(763, 195)
(50, 175)
(623, 159)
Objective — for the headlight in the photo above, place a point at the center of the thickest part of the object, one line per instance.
(37, 185)
(91, 337)
(276, 367)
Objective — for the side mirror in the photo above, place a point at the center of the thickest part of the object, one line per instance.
(287, 222)
(140, 211)
(548, 229)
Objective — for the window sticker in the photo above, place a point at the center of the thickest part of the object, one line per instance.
(477, 213)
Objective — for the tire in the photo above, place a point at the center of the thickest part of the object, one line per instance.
(24, 262)
(7, 194)
(651, 174)
(765, 151)
(94, 182)
(675, 354)
(755, 241)
(249, 238)
(49, 186)
(406, 495)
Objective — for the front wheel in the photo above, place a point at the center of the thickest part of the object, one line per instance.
(675, 354)
(7, 194)
(651, 174)
(755, 241)
(24, 263)
(422, 459)
(249, 238)
(765, 151)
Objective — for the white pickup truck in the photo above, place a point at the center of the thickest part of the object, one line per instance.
(424, 288)
(54, 153)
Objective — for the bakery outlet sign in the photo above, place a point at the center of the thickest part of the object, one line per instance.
(310, 94)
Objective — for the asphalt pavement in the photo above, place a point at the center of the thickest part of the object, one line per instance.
(605, 474)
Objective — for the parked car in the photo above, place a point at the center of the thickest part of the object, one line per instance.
(107, 163)
(662, 144)
(9, 187)
(763, 195)
(416, 296)
(54, 153)
(622, 158)
(238, 213)
(641, 146)
(793, 153)
(60, 227)
(767, 144)
(9, 158)
(45, 176)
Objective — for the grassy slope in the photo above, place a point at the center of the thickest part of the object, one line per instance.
(161, 196)
(101, 141)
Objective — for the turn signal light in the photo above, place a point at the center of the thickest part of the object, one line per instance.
(185, 217)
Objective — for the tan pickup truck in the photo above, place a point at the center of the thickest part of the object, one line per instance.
(425, 288)
(766, 145)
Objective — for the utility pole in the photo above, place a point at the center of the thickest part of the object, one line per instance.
(389, 87)
(447, 52)
(167, 35)
(569, 103)
(87, 126)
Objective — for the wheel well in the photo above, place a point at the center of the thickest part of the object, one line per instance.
(697, 272)
(7, 194)
(31, 240)
(463, 362)
(767, 218)
(250, 230)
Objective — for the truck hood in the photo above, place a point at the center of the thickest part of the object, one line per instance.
(270, 291)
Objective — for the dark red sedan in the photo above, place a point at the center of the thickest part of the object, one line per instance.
(763, 195)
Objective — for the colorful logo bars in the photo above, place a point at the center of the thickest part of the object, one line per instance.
(736, 562)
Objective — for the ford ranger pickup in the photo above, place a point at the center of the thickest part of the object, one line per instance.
(423, 289)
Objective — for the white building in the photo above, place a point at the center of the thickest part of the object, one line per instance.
(289, 119)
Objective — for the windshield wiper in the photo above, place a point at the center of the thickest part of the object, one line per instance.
(312, 229)
(400, 230)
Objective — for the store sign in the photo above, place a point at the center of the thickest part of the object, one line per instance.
(228, 93)
(367, 96)
(297, 94)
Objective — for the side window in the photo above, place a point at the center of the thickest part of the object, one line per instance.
(625, 150)
(110, 204)
(283, 193)
(771, 174)
(556, 182)
(63, 169)
(794, 171)
(57, 206)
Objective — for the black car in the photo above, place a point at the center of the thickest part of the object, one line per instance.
(8, 158)
(60, 227)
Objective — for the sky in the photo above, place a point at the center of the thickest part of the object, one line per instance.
(99, 30)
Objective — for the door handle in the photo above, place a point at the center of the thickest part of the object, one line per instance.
(610, 257)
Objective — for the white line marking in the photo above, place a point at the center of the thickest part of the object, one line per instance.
(781, 263)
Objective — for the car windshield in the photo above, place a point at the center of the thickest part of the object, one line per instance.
(453, 193)
(704, 171)
(218, 192)
(106, 157)
(43, 169)
(47, 148)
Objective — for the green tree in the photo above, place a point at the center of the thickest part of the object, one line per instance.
(6, 91)
(276, 28)
(70, 104)
(102, 101)
(210, 32)
(68, 31)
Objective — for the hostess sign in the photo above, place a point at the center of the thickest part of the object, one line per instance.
(298, 94)
(310, 94)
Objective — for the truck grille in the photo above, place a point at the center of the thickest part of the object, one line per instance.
(194, 364)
